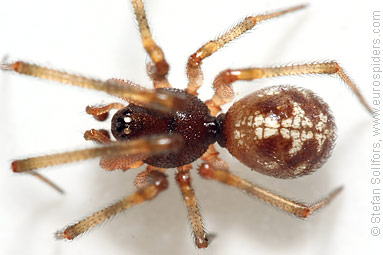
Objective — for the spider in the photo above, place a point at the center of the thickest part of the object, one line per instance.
(281, 131)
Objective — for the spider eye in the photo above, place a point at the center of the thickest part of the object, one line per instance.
(127, 131)
(122, 126)
(128, 119)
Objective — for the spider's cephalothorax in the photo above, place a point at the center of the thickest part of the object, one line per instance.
(197, 127)
(281, 131)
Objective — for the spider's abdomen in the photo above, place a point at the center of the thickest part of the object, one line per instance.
(280, 131)
(194, 123)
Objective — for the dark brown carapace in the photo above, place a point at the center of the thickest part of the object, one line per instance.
(280, 131)
(197, 127)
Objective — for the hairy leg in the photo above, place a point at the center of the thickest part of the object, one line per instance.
(142, 195)
(223, 82)
(193, 68)
(208, 171)
(217, 169)
(157, 84)
(129, 91)
(146, 145)
(184, 182)
(155, 52)
(123, 162)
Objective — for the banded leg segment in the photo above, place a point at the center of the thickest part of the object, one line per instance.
(184, 182)
(223, 82)
(147, 145)
(157, 84)
(154, 51)
(142, 195)
(157, 100)
(193, 67)
(298, 209)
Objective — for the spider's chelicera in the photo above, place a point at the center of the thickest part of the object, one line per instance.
(280, 131)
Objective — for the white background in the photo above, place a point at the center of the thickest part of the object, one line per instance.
(100, 39)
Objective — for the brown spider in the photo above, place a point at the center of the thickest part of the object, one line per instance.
(279, 131)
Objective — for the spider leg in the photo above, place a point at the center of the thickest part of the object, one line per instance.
(100, 136)
(149, 145)
(156, 83)
(163, 83)
(123, 162)
(211, 157)
(145, 177)
(224, 91)
(184, 182)
(159, 184)
(154, 51)
(158, 100)
(193, 68)
(46, 181)
(101, 113)
(211, 171)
